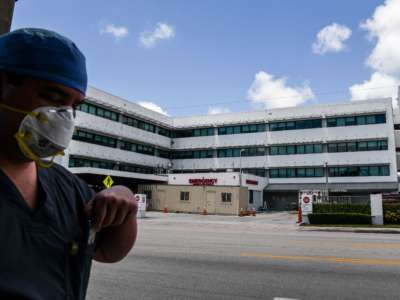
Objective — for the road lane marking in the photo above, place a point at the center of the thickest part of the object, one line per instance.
(375, 245)
(334, 259)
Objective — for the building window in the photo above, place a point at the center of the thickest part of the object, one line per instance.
(296, 149)
(148, 194)
(374, 145)
(226, 197)
(356, 120)
(355, 171)
(292, 125)
(251, 197)
(78, 162)
(251, 128)
(296, 172)
(235, 152)
(184, 196)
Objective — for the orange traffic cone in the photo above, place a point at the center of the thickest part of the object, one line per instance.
(299, 219)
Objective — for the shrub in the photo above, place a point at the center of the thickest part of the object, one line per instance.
(391, 213)
(339, 218)
(342, 208)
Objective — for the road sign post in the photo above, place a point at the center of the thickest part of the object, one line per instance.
(108, 182)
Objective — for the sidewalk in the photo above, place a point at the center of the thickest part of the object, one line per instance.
(350, 229)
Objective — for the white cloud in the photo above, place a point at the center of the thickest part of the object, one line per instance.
(153, 106)
(384, 60)
(273, 92)
(218, 110)
(384, 27)
(331, 39)
(115, 31)
(150, 39)
(378, 86)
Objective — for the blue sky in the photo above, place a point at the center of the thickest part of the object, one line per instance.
(210, 51)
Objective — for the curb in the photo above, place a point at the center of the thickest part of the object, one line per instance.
(356, 230)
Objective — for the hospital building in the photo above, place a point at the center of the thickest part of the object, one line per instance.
(228, 162)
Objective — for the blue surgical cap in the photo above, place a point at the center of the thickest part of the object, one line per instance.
(43, 54)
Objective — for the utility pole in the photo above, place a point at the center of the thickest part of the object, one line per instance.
(6, 15)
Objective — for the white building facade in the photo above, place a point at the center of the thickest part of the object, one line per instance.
(347, 148)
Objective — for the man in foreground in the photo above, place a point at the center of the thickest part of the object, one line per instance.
(51, 223)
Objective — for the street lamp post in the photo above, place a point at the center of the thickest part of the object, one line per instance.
(6, 14)
(326, 182)
(240, 166)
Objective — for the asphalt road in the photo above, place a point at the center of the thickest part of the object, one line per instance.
(181, 256)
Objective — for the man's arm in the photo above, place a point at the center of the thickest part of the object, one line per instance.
(114, 214)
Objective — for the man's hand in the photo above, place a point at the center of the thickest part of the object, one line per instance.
(114, 214)
(111, 207)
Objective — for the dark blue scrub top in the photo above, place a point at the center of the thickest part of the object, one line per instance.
(44, 253)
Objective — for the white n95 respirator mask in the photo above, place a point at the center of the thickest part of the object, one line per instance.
(44, 133)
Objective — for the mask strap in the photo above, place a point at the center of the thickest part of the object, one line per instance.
(32, 113)
(19, 137)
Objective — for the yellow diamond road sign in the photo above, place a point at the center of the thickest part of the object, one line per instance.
(108, 182)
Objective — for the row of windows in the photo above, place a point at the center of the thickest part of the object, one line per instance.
(93, 138)
(349, 171)
(103, 140)
(225, 197)
(78, 162)
(358, 146)
(193, 154)
(296, 172)
(356, 120)
(286, 149)
(139, 148)
(237, 152)
(98, 111)
(193, 132)
(292, 125)
(226, 130)
(256, 171)
(359, 171)
(111, 115)
(250, 128)
(295, 149)
(138, 124)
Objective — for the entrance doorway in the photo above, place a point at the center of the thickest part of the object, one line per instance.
(210, 202)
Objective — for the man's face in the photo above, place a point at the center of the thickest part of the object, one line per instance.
(28, 94)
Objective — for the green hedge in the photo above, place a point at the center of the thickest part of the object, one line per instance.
(342, 208)
(339, 218)
(391, 213)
